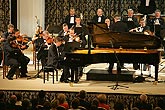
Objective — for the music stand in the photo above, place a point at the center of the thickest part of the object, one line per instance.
(114, 87)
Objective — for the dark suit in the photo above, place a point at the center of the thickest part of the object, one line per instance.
(147, 9)
(130, 25)
(67, 20)
(95, 19)
(156, 28)
(119, 27)
(15, 58)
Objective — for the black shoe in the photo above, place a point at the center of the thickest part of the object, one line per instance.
(66, 81)
(9, 78)
(76, 81)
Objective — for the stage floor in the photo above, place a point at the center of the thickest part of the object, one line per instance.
(147, 86)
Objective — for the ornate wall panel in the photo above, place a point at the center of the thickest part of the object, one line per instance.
(56, 10)
(4, 14)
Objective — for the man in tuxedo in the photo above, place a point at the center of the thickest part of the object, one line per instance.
(70, 19)
(156, 23)
(99, 18)
(64, 30)
(147, 7)
(131, 21)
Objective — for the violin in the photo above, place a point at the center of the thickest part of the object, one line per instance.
(49, 40)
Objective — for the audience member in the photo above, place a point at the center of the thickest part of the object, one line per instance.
(62, 100)
(143, 104)
(118, 106)
(82, 99)
(102, 101)
(54, 104)
(3, 105)
(26, 105)
(75, 104)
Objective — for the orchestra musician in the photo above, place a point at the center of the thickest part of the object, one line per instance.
(117, 26)
(70, 19)
(43, 45)
(130, 19)
(81, 31)
(65, 30)
(99, 18)
(108, 22)
(15, 57)
(157, 23)
(143, 28)
(72, 42)
(10, 31)
(147, 7)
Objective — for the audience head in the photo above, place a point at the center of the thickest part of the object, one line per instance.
(117, 18)
(157, 13)
(1, 94)
(42, 94)
(134, 108)
(99, 12)
(13, 99)
(130, 12)
(102, 98)
(26, 104)
(62, 98)
(75, 103)
(143, 97)
(158, 108)
(82, 94)
(54, 103)
(72, 12)
(19, 96)
(118, 106)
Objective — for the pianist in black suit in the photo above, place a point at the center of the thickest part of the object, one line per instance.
(99, 18)
(118, 26)
(130, 19)
(55, 53)
(147, 7)
(70, 19)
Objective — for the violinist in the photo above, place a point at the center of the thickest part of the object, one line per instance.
(15, 58)
(45, 42)
(10, 31)
(38, 33)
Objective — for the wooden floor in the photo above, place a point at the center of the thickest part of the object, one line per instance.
(148, 86)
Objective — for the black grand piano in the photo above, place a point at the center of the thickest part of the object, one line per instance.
(128, 47)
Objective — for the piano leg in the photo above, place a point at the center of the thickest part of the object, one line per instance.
(156, 72)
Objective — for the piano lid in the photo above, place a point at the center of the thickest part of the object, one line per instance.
(126, 40)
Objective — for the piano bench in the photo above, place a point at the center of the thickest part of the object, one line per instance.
(48, 69)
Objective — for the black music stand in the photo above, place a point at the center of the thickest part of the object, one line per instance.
(116, 86)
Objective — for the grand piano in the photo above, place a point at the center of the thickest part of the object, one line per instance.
(117, 47)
